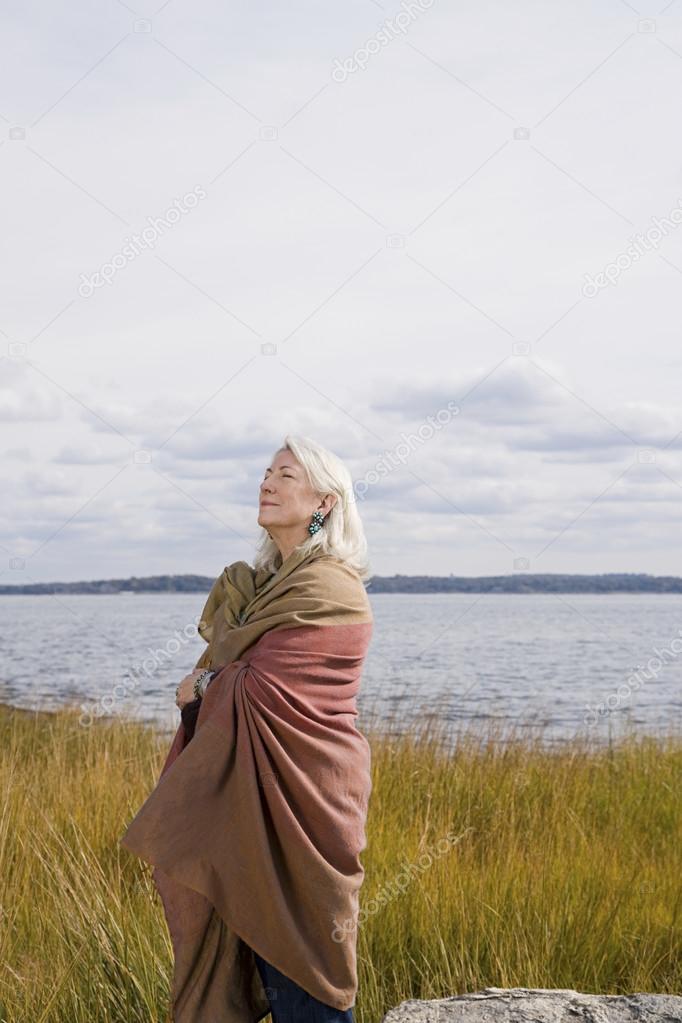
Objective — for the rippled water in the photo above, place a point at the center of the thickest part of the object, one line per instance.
(564, 662)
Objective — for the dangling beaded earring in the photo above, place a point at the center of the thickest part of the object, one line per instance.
(318, 519)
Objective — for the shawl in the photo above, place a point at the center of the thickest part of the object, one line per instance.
(256, 824)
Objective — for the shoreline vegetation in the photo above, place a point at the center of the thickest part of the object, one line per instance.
(518, 582)
(488, 863)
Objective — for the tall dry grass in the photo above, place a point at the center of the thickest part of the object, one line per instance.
(563, 868)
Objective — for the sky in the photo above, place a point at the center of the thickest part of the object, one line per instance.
(440, 239)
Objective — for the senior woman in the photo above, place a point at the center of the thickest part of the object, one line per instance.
(257, 822)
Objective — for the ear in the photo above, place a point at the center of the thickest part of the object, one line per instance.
(328, 503)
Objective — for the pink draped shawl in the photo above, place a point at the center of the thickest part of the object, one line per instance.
(256, 825)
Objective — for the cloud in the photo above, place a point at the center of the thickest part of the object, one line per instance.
(23, 397)
(392, 238)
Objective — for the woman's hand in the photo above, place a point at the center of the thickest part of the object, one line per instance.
(185, 692)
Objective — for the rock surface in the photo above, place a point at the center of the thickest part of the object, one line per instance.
(539, 1005)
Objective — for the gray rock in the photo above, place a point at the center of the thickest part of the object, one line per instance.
(539, 1005)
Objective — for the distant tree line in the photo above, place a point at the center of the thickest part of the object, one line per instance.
(519, 582)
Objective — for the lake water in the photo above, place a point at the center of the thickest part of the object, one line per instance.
(590, 664)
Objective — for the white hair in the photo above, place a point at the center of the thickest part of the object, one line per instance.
(341, 534)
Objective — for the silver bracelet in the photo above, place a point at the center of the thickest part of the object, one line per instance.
(201, 682)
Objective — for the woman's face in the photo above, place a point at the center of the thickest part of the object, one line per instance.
(286, 499)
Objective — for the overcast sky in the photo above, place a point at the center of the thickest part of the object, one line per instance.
(378, 217)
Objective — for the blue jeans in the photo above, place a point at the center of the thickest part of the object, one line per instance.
(289, 1003)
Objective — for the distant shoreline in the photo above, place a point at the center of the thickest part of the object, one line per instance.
(48, 714)
(518, 582)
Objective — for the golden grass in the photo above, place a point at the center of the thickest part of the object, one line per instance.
(563, 868)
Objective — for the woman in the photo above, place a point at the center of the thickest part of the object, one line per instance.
(256, 824)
